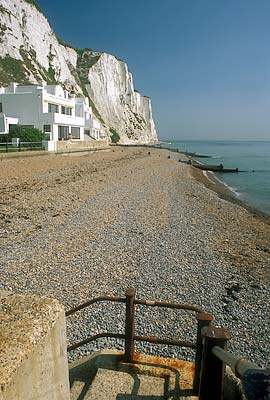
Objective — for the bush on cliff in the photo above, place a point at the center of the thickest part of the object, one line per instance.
(115, 137)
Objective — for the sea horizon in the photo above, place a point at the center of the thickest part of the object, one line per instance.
(211, 140)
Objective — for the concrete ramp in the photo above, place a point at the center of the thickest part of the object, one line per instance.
(103, 376)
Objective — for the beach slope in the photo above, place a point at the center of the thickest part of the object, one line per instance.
(80, 226)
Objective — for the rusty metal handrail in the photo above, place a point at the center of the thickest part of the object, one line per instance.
(165, 304)
(150, 303)
(203, 320)
(149, 339)
(95, 337)
(130, 296)
(94, 300)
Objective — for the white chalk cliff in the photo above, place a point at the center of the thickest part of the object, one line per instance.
(31, 52)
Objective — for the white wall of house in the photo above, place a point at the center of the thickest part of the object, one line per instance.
(51, 109)
(96, 129)
(5, 122)
(24, 105)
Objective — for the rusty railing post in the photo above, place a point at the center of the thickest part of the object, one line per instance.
(129, 329)
(212, 369)
(204, 320)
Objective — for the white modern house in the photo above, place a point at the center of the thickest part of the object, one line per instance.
(51, 109)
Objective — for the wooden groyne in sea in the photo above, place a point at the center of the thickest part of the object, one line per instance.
(212, 168)
(191, 161)
(159, 146)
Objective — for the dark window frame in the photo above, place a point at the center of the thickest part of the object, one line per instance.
(78, 134)
(66, 110)
(46, 130)
(63, 131)
(53, 108)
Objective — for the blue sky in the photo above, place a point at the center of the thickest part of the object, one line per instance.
(204, 63)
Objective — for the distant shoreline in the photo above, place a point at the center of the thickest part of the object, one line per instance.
(225, 193)
(212, 182)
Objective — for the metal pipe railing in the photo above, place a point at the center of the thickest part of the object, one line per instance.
(129, 337)
(151, 303)
(94, 300)
(255, 380)
(212, 369)
(210, 345)
(204, 320)
(238, 364)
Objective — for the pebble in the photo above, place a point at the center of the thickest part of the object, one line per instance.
(86, 226)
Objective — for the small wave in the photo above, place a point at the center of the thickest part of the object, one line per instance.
(216, 179)
(231, 189)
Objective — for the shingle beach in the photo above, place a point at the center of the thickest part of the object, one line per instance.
(79, 226)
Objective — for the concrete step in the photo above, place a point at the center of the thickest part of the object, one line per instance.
(103, 376)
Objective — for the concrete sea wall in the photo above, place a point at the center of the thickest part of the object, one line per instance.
(33, 356)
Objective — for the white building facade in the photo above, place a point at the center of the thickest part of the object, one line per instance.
(51, 109)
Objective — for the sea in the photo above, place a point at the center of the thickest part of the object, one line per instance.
(252, 158)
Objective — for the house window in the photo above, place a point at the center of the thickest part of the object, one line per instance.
(78, 111)
(62, 132)
(47, 128)
(66, 110)
(1, 107)
(75, 131)
(47, 131)
(12, 127)
(53, 108)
